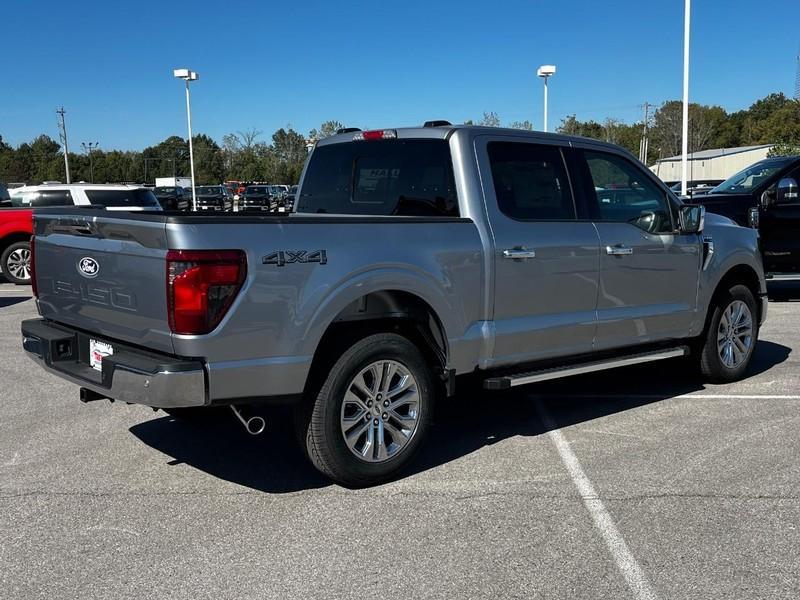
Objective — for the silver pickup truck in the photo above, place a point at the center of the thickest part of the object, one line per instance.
(413, 256)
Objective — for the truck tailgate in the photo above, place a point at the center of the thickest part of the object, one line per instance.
(105, 274)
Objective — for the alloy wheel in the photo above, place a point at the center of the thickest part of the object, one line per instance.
(19, 263)
(380, 411)
(735, 334)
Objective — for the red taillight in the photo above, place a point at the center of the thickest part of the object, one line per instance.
(201, 286)
(34, 289)
(378, 134)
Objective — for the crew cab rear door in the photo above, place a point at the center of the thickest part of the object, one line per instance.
(648, 271)
(545, 259)
(104, 273)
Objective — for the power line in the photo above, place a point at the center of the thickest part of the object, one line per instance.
(62, 134)
(797, 79)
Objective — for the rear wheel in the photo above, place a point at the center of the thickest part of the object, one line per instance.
(16, 263)
(371, 413)
(731, 337)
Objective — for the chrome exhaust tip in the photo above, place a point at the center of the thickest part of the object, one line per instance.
(254, 425)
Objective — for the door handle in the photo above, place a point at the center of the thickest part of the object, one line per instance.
(519, 253)
(619, 250)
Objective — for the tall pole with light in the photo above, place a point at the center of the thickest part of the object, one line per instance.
(188, 76)
(685, 128)
(545, 72)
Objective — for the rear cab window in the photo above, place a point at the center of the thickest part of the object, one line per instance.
(401, 177)
(117, 198)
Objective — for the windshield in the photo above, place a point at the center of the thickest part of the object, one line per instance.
(208, 190)
(132, 197)
(253, 190)
(749, 179)
(163, 191)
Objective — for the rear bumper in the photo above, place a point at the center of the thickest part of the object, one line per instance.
(130, 375)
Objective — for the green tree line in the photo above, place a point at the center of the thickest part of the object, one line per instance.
(774, 119)
(245, 156)
(241, 156)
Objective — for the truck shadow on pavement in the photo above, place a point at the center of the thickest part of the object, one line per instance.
(462, 425)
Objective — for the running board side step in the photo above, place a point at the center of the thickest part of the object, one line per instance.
(508, 381)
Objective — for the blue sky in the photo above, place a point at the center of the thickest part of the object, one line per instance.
(369, 64)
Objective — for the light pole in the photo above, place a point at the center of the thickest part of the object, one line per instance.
(88, 149)
(188, 76)
(545, 72)
(685, 128)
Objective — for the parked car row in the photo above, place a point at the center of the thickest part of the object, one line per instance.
(222, 198)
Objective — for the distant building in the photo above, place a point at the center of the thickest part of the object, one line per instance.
(719, 163)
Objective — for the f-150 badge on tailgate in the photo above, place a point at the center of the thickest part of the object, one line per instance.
(88, 267)
(286, 257)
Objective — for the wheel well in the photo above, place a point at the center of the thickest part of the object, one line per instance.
(380, 312)
(13, 238)
(740, 274)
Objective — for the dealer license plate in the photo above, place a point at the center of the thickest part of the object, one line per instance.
(97, 352)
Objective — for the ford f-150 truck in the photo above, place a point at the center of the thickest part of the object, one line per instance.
(412, 257)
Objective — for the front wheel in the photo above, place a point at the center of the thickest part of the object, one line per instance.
(371, 413)
(16, 263)
(731, 337)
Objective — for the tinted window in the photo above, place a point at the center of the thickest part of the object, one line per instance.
(751, 177)
(626, 194)
(530, 181)
(133, 197)
(383, 177)
(208, 190)
(42, 198)
(255, 190)
(166, 191)
(54, 198)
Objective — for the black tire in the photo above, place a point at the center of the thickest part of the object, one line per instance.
(319, 422)
(11, 265)
(710, 359)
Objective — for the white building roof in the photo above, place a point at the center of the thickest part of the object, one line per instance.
(715, 153)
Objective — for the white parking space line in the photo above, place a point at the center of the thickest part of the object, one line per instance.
(678, 396)
(626, 563)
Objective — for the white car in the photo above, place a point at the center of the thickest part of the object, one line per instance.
(109, 196)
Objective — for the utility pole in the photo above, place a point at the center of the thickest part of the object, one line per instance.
(62, 134)
(645, 142)
(88, 148)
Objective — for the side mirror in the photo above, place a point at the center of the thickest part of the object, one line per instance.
(692, 218)
(787, 191)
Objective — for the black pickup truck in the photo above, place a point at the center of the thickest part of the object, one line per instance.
(765, 196)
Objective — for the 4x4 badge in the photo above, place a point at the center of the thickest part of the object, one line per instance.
(88, 267)
(286, 257)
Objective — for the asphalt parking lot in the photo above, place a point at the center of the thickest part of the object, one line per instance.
(636, 483)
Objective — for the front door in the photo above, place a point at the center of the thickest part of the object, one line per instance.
(545, 259)
(779, 227)
(648, 271)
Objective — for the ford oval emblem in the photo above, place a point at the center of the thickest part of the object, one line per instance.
(88, 267)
